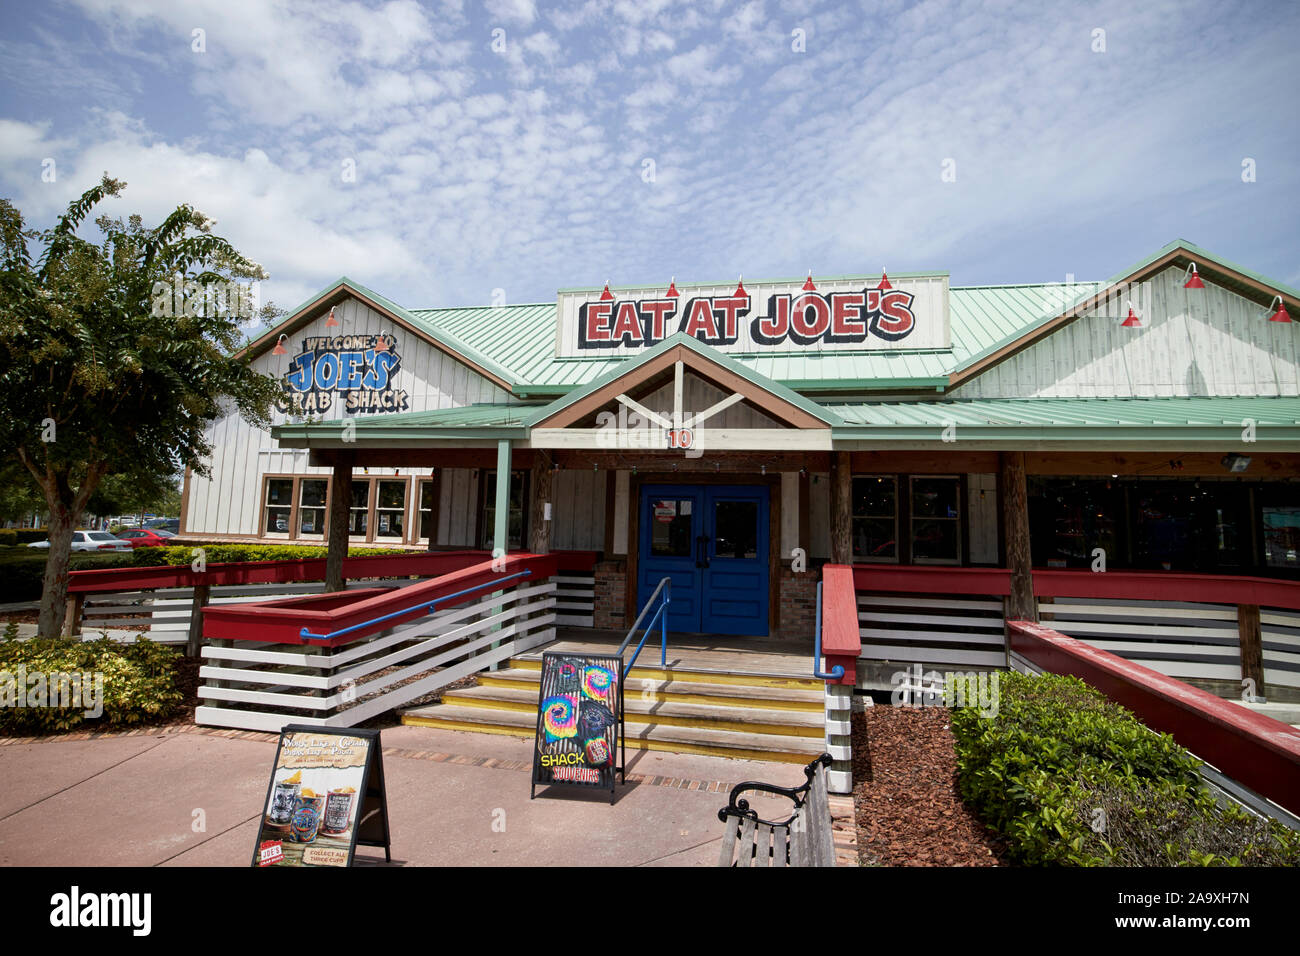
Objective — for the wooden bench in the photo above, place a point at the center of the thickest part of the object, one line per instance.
(804, 838)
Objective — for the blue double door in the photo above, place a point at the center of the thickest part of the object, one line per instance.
(712, 541)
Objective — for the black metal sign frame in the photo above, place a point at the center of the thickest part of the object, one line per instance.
(580, 722)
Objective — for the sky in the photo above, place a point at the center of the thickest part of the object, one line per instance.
(456, 153)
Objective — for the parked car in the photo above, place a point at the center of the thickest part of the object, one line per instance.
(90, 541)
(151, 538)
(166, 524)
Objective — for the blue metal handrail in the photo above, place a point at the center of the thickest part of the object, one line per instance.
(837, 671)
(428, 608)
(661, 615)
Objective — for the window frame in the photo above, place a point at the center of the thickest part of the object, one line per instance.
(957, 520)
(853, 516)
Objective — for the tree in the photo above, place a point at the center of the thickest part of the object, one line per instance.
(116, 356)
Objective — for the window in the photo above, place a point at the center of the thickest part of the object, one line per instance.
(311, 506)
(390, 509)
(278, 505)
(1070, 518)
(874, 507)
(1281, 536)
(936, 520)
(359, 509)
(518, 509)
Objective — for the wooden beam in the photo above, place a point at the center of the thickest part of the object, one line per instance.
(1252, 649)
(340, 500)
(540, 493)
(1020, 604)
(841, 508)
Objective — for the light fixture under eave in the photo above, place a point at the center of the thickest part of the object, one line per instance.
(1131, 321)
(381, 342)
(331, 322)
(1195, 281)
(279, 346)
(1281, 314)
(1234, 462)
(884, 281)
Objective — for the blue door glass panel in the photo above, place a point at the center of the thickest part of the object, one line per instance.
(712, 542)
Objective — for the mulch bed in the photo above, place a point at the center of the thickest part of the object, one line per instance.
(905, 793)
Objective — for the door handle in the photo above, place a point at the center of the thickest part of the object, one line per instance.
(702, 551)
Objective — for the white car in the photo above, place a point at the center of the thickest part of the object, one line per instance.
(90, 541)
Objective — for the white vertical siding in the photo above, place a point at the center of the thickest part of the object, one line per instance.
(578, 510)
(1206, 342)
(228, 501)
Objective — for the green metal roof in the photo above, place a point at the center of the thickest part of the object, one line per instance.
(1277, 419)
(483, 421)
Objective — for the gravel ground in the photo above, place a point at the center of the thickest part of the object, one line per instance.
(905, 793)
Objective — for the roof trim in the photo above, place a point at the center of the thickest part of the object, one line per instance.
(789, 405)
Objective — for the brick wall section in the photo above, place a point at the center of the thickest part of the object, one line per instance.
(798, 595)
(611, 594)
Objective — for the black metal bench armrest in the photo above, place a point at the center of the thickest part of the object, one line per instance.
(738, 806)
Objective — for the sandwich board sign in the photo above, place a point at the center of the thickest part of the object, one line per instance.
(326, 798)
(579, 720)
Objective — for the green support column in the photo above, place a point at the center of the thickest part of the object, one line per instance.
(501, 528)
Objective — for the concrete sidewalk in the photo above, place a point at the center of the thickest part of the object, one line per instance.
(192, 797)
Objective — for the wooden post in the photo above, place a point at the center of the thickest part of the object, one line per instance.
(539, 528)
(841, 508)
(72, 619)
(1020, 603)
(194, 643)
(501, 523)
(1252, 651)
(340, 500)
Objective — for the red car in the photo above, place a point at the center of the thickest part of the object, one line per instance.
(147, 537)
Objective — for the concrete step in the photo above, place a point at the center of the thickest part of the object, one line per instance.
(695, 674)
(749, 717)
(644, 736)
(810, 700)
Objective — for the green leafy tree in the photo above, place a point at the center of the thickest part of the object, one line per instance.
(104, 368)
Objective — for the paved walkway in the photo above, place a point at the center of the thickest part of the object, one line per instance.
(193, 796)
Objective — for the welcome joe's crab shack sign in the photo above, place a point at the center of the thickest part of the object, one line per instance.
(356, 371)
(842, 314)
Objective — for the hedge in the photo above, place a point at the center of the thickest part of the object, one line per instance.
(22, 569)
(138, 683)
(1071, 778)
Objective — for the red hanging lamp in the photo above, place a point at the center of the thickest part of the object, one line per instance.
(672, 288)
(808, 283)
(331, 322)
(606, 295)
(1195, 281)
(740, 292)
(884, 281)
(1281, 314)
(279, 346)
(381, 344)
(1131, 321)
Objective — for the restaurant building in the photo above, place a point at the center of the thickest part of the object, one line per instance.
(737, 435)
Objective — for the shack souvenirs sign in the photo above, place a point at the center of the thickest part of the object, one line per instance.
(326, 798)
(856, 314)
(347, 374)
(579, 719)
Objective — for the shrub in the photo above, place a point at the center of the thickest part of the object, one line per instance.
(1072, 778)
(8, 537)
(139, 682)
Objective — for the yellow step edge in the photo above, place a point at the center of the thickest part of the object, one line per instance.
(634, 743)
(703, 677)
(635, 717)
(680, 697)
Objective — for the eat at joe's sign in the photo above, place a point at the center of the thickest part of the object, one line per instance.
(840, 315)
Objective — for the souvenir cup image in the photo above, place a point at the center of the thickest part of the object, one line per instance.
(283, 801)
(306, 817)
(338, 811)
